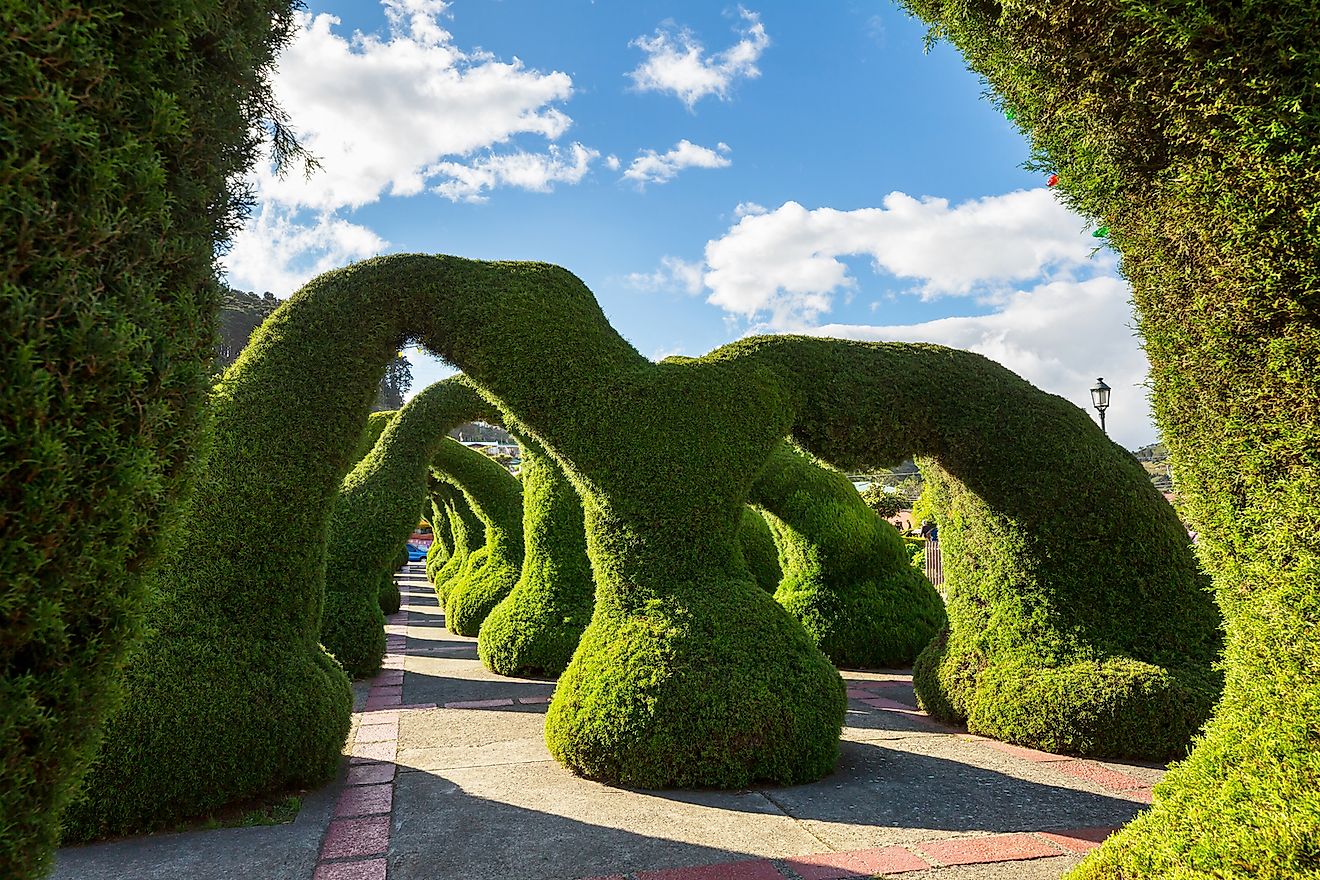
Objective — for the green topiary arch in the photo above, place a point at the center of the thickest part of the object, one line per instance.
(376, 509)
(689, 673)
(489, 573)
(465, 535)
(1078, 618)
(847, 574)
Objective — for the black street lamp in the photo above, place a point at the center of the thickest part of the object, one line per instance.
(1100, 400)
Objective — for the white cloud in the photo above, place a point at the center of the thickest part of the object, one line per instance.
(787, 262)
(1059, 335)
(673, 274)
(279, 252)
(676, 62)
(612, 162)
(653, 167)
(382, 112)
(533, 171)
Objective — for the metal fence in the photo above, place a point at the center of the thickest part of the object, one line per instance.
(935, 565)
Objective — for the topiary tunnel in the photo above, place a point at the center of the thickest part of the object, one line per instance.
(466, 534)
(375, 511)
(688, 673)
(489, 572)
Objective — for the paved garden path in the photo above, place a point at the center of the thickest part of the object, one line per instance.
(448, 777)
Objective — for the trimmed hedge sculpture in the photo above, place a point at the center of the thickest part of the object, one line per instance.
(442, 536)
(489, 573)
(377, 422)
(467, 533)
(1192, 132)
(536, 627)
(125, 128)
(847, 574)
(1079, 621)
(759, 550)
(375, 511)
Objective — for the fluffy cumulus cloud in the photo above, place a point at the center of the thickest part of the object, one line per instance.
(787, 263)
(1058, 315)
(677, 63)
(396, 114)
(279, 251)
(533, 171)
(653, 167)
(382, 112)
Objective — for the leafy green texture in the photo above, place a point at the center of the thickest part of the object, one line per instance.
(124, 128)
(1192, 131)
(759, 550)
(388, 596)
(1078, 618)
(467, 536)
(487, 574)
(536, 627)
(847, 575)
(377, 422)
(375, 512)
(442, 541)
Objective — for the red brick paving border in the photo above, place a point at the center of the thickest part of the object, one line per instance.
(358, 840)
(980, 850)
(861, 863)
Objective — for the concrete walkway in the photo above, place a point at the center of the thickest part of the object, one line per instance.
(448, 776)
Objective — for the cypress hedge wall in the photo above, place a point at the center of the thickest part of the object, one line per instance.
(1192, 131)
(1079, 620)
(124, 129)
(759, 550)
(536, 627)
(488, 573)
(375, 512)
(847, 574)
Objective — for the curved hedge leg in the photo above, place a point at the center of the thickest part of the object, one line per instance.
(467, 532)
(374, 513)
(759, 549)
(1079, 620)
(442, 540)
(536, 628)
(847, 574)
(488, 574)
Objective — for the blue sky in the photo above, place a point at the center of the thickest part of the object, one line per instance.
(709, 171)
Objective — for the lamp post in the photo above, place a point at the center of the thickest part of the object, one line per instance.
(1100, 400)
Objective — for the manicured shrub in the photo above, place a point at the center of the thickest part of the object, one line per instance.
(758, 547)
(442, 537)
(1062, 562)
(376, 510)
(536, 627)
(388, 596)
(489, 573)
(847, 575)
(1191, 130)
(125, 128)
(466, 531)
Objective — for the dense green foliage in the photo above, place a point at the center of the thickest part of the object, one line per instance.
(125, 128)
(1078, 618)
(488, 573)
(885, 504)
(847, 574)
(388, 597)
(759, 550)
(1192, 130)
(467, 534)
(377, 422)
(536, 627)
(376, 510)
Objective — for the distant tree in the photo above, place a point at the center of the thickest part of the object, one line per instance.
(886, 504)
(394, 386)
